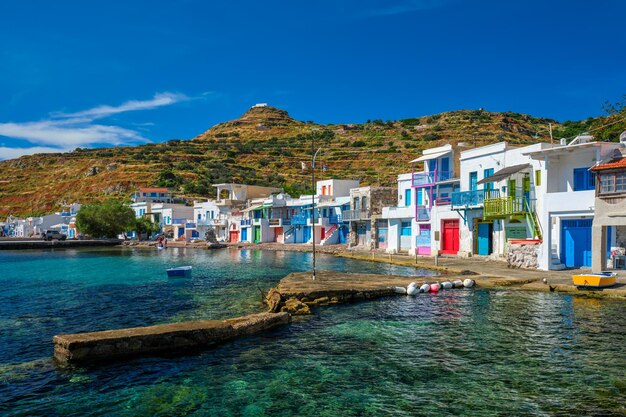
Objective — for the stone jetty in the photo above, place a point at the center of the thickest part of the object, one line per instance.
(298, 291)
(164, 339)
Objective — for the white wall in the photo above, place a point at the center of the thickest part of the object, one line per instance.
(339, 188)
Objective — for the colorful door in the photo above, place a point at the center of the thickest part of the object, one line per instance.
(257, 234)
(343, 235)
(307, 233)
(484, 239)
(450, 237)
(383, 227)
(244, 234)
(234, 236)
(278, 234)
(422, 241)
(322, 233)
(405, 235)
(576, 242)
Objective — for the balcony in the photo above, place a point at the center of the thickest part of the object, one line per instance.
(502, 207)
(298, 220)
(211, 222)
(472, 199)
(422, 214)
(405, 212)
(355, 215)
(279, 222)
(421, 179)
(335, 219)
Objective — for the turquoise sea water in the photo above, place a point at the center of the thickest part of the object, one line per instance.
(461, 352)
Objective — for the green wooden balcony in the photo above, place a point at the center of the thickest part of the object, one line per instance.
(503, 207)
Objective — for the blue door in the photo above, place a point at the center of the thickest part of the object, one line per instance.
(244, 234)
(407, 197)
(343, 235)
(576, 242)
(307, 233)
(484, 239)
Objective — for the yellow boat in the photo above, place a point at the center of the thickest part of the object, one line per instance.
(591, 280)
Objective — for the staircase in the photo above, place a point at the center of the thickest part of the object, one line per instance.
(533, 221)
(330, 233)
(555, 260)
(287, 235)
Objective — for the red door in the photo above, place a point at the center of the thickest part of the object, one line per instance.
(450, 237)
(322, 233)
(234, 236)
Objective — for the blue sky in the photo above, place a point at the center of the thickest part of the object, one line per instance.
(87, 74)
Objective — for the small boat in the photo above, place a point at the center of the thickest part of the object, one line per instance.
(593, 280)
(179, 272)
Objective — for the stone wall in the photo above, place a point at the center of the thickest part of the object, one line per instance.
(523, 255)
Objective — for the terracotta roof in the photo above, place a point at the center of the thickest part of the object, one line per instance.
(154, 190)
(617, 163)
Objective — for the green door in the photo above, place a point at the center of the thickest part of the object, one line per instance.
(512, 188)
(257, 234)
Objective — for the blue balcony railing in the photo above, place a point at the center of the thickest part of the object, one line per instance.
(335, 220)
(427, 178)
(298, 220)
(474, 198)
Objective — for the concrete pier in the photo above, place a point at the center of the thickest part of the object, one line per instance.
(161, 339)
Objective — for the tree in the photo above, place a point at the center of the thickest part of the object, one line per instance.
(107, 219)
(144, 225)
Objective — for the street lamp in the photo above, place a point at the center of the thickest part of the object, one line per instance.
(314, 155)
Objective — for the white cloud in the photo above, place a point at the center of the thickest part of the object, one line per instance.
(65, 131)
(159, 100)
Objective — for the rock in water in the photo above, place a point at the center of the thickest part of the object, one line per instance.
(295, 307)
(468, 283)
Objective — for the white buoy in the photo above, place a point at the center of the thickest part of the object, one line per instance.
(425, 288)
(399, 290)
(457, 283)
(468, 283)
(413, 284)
(435, 287)
(412, 291)
(446, 285)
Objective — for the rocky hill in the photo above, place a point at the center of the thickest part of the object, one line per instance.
(265, 146)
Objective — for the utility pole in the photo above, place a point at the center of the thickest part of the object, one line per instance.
(551, 138)
(314, 155)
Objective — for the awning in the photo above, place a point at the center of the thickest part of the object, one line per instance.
(258, 206)
(504, 173)
(431, 156)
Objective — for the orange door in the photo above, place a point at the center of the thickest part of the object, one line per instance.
(234, 236)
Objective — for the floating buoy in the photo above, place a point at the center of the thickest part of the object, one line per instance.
(413, 284)
(425, 288)
(457, 283)
(399, 290)
(412, 291)
(435, 287)
(468, 283)
(446, 285)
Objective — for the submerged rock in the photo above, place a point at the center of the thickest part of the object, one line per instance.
(295, 307)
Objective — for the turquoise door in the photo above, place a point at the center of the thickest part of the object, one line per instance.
(343, 235)
(484, 239)
(307, 233)
(576, 242)
(407, 197)
(244, 234)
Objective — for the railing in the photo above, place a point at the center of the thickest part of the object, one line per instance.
(179, 220)
(443, 201)
(211, 222)
(474, 198)
(279, 222)
(245, 222)
(335, 220)
(422, 214)
(352, 215)
(503, 206)
(426, 178)
(298, 220)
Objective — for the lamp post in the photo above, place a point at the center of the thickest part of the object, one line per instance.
(314, 155)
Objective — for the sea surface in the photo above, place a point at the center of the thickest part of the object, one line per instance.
(457, 353)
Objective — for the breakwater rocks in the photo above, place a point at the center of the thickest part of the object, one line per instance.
(161, 339)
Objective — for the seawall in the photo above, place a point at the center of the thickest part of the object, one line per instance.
(42, 244)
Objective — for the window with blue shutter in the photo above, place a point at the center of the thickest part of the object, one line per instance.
(473, 181)
(486, 174)
(584, 179)
(405, 228)
(407, 197)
